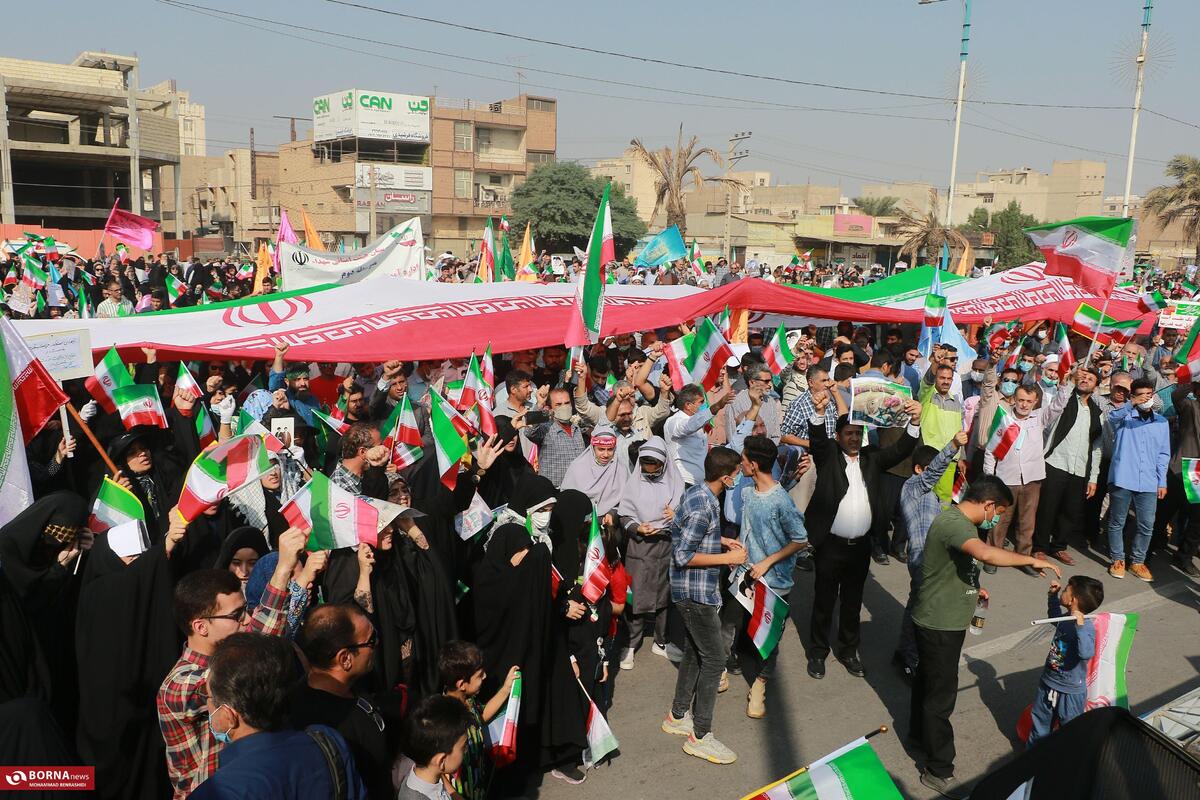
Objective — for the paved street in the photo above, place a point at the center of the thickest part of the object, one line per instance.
(807, 718)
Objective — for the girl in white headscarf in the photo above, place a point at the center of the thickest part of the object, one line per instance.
(645, 512)
(596, 471)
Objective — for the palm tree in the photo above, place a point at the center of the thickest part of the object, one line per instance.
(878, 206)
(1181, 201)
(672, 169)
(926, 232)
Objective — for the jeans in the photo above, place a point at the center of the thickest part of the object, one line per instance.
(703, 662)
(1050, 704)
(1144, 506)
(639, 623)
(934, 692)
(907, 648)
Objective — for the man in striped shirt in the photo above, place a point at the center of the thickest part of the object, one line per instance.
(209, 606)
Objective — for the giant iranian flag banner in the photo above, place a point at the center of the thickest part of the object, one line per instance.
(1092, 251)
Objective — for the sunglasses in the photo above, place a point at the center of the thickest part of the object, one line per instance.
(372, 641)
(237, 615)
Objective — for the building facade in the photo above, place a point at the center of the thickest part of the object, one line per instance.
(234, 196)
(75, 138)
(193, 138)
(1072, 189)
(635, 177)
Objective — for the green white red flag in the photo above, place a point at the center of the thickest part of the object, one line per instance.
(1066, 358)
(589, 292)
(709, 354)
(110, 373)
(185, 383)
(403, 437)
(766, 618)
(335, 518)
(1190, 468)
(476, 397)
(935, 311)
(505, 264)
(486, 271)
(777, 354)
(1152, 302)
(338, 426)
(245, 272)
(449, 438)
(36, 395)
(852, 772)
(696, 259)
(1004, 434)
(204, 427)
(221, 471)
(959, 489)
(1092, 251)
(1106, 668)
(502, 730)
(115, 505)
(678, 354)
(600, 739)
(1093, 324)
(139, 404)
(596, 573)
(175, 289)
(33, 275)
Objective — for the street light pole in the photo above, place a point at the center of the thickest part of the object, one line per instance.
(1137, 104)
(730, 160)
(962, 85)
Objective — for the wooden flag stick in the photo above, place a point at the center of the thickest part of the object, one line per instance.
(108, 462)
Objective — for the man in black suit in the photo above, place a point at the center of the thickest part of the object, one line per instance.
(846, 515)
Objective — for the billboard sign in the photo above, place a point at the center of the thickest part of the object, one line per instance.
(371, 115)
(399, 177)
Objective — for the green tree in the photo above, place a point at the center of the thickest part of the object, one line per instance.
(561, 199)
(878, 206)
(977, 220)
(1181, 201)
(1013, 247)
(672, 170)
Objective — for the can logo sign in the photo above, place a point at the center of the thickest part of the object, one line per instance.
(375, 101)
(47, 778)
(321, 105)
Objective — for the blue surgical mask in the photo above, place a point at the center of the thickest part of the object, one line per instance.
(221, 736)
(1007, 388)
(988, 524)
(1024, 366)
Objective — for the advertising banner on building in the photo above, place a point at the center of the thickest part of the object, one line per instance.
(393, 176)
(371, 115)
(333, 116)
(398, 253)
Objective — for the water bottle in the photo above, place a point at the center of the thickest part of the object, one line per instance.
(980, 617)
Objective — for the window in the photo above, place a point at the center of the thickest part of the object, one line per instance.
(495, 180)
(462, 136)
(541, 105)
(544, 158)
(464, 225)
(462, 183)
(987, 198)
(187, 126)
(189, 149)
(484, 137)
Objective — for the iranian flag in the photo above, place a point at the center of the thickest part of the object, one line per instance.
(110, 374)
(724, 322)
(600, 739)
(767, 619)
(139, 404)
(852, 773)
(589, 292)
(959, 488)
(335, 518)
(184, 382)
(486, 271)
(1190, 468)
(248, 424)
(1092, 251)
(677, 360)
(1090, 322)
(36, 396)
(115, 505)
(204, 426)
(1066, 358)
(245, 272)
(1152, 302)
(121, 251)
(1004, 434)
(1106, 669)
(477, 392)
(403, 438)
(777, 354)
(175, 289)
(449, 440)
(502, 730)
(935, 311)
(998, 334)
(34, 276)
(596, 574)
(575, 357)
(338, 426)
(218, 473)
(709, 354)
(696, 259)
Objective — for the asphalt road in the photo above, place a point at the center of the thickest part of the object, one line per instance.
(807, 718)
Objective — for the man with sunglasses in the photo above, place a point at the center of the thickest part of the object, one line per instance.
(210, 606)
(941, 409)
(339, 642)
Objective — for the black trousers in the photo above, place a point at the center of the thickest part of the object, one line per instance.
(1187, 526)
(840, 570)
(1060, 510)
(890, 487)
(934, 692)
(1092, 506)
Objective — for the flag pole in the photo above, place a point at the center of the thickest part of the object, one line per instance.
(108, 462)
(1096, 333)
(802, 770)
(1050, 620)
(104, 231)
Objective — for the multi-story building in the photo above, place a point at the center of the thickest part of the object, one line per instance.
(1072, 189)
(480, 153)
(912, 196)
(234, 197)
(635, 177)
(1115, 204)
(193, 139)
(76, 137)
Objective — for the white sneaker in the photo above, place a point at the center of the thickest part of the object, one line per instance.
(678, 727)
(709, 749)
(658, 650)
(627, 658)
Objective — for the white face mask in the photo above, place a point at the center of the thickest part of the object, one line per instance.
(976, 376)
(1041, 334)
(1146, 406)
(540, 520)
(563, 413)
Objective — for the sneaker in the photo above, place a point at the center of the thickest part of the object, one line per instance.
(572, 775)
(627, 658)
(756, 701)
(805, 563)
(709, 749)
(678, 727)
(673, 653)
(946, 787)
(1140, 571)
(723, 686)
(659, 650)
(1117, 570)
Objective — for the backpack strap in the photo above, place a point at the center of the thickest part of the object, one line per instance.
(337, 769)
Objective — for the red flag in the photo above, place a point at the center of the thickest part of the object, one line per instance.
(129, 227)
(37, 396)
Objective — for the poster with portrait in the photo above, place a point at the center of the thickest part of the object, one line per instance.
(879, 403)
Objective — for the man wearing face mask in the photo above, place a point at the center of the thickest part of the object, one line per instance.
(1138, 476)
(1049, 376)
(949, 593)
(1116, 396)
(559, 440)
(1073, 456)
(972, 385)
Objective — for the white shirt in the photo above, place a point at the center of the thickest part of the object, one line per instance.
(687, 444)
(853, 518)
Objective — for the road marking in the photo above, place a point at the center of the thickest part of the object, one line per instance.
(1144, 599)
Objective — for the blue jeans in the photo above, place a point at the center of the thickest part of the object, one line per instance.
(907, 648)
(1144, 506)
(704, 654)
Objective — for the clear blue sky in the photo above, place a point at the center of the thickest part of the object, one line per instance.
(1041, 51)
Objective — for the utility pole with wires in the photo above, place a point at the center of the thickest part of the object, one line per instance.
(292, 132)
(732, 158)
(1137, 103)
(962, 85)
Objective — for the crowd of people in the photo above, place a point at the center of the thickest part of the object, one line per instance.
(228, 660)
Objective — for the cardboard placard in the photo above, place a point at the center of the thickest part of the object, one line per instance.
(65, 354)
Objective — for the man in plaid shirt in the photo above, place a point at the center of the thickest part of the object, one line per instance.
(209, 606)
(559, 441)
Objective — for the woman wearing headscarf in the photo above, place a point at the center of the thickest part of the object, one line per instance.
(259, 504)
(497, 485)
(596, 471)
(152, 474)
(242, 549)
(645, 511)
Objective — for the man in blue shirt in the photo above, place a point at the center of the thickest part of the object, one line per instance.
(1138, 476)
(294, 380)
(698, 551)
(248, 678)
(773, 534)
